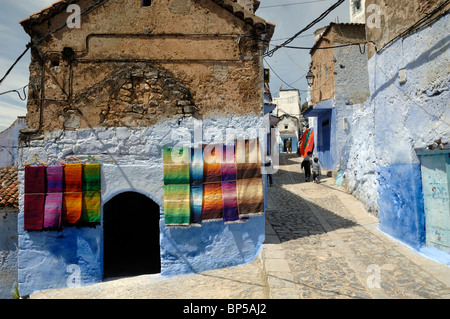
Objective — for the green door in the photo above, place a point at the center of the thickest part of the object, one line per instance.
(435, 169)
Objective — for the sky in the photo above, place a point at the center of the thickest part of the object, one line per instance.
(289, 66)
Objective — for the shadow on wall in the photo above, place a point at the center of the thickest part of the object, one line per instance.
(432, 53)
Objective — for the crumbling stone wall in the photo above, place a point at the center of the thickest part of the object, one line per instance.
(395, 17)
(138, 66)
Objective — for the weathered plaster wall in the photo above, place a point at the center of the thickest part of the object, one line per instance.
(358, 158)
(81, 91)
(322, 66)
(132, 161)
(395, 17)
(399, 118)
(328, 64)
(351, 75)
(8, 252)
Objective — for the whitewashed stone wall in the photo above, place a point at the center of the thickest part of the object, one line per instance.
(132, 161)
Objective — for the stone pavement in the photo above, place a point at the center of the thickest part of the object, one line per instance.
(320, 243)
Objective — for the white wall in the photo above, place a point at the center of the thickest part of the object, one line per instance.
(287, 103)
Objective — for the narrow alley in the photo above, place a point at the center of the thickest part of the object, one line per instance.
(320, 244)
(333, 249)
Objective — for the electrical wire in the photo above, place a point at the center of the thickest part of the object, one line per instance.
(289, 85)
(309, 26)
(18, 92)
(15, 62)
(421, 22)
(290, 4)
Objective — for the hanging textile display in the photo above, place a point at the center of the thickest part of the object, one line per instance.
(176, 170)
(54, 197)
(229, 194)
(73, 193)
(59, 195)
(196, 173)
(250, 193)
(91, 204)
(307, 142)
(215, 182)
(34, 197)
(212, 177)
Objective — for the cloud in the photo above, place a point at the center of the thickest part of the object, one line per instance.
(9, 113)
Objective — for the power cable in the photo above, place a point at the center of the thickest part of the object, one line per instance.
(15, 62)
(290, 4)
(289, 85)
(309, 26)
(18, 92)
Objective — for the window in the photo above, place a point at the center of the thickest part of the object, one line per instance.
(146, 3)
(356, 6)
(286, 126)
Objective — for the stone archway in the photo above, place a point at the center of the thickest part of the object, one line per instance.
(131, 236)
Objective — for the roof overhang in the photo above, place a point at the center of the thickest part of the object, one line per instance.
(319, 109)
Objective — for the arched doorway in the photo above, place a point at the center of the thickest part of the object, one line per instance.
(131, 236)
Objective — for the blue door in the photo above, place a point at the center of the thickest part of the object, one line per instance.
(435, 170)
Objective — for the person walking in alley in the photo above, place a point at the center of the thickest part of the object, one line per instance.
(288, 145)
(306, 165)
(316, 170)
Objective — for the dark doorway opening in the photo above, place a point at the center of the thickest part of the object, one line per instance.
(131, 236)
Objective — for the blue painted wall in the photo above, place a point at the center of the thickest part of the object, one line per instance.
(212, 246)
(47, 258)
(326, 139)
(54, 251)
(408, 116)
(400, 202)
(8, 252)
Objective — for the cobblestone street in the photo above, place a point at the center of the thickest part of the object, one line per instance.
(320, 244)
(333, 249)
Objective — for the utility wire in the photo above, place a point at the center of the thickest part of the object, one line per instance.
(289, 85)
(18, 92)
(88, 9)
(309, 26)
(15, 62)
(290, 4)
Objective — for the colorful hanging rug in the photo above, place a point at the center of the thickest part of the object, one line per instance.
(91, 204)
(176, 175)
(73, 193)
(34, 197)
(54, 197)
(196, 172)
(229, 192)
(250, 193)
(307, 143)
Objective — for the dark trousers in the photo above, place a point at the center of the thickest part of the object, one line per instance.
(307, 172)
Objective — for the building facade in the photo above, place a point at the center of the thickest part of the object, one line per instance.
(9, 191)
(410, 110)
(288, 110)
(120, 91)
(339, 65)
(397, 161)
(9, 140)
